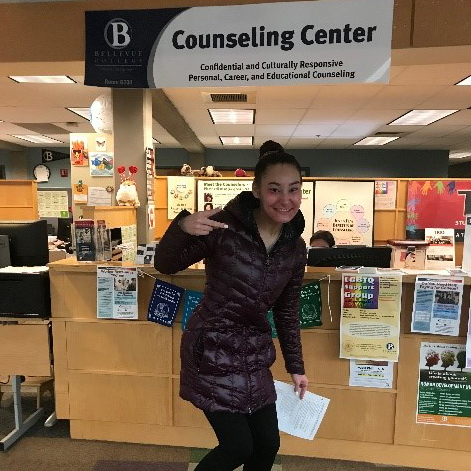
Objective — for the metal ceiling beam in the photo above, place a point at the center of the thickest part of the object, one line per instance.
(165, 113)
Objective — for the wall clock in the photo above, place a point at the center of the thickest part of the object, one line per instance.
(42, 173)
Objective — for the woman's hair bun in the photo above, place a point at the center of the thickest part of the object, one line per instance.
(269, 147)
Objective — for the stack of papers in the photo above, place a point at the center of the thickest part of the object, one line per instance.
(11, 269)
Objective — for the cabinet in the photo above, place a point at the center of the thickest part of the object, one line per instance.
(18, 200)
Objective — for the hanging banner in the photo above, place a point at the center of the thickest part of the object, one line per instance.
(369, 325)
(164, 303)
(240, 45)
(385, 194)
(217, 192)
(310, 306)
(437, 305)
(346, 210)
(50, 155)
(444, 392)
(180, 195)
(192, 299)
(436, 203)
(116, 292)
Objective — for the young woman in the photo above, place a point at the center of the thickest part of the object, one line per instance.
(255, 260)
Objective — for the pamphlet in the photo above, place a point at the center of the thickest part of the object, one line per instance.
(371, 374)
(437, 305)
(85, 240)
(117, 292)
(299, 417)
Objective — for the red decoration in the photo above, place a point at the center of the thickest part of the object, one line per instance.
(121, 169)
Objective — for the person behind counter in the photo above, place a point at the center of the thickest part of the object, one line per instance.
(322, 239)
(255, 260)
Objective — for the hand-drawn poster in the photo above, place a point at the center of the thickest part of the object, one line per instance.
(444, 391)
(79, 152)
(436, 203)
(369, 325)
(345, 209)
(101, 164)
(180, 195)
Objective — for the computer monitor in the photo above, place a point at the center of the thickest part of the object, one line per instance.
(64, 230)
(350, 256)
(28, 242)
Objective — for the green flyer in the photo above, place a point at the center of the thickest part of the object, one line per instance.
(310, 306)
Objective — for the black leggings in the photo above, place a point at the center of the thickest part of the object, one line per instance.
(249, 439)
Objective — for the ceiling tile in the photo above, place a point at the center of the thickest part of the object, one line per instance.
(314, 130)
(358, 130)
(326, 116)
(268, 130)
(432, 74)
(279, 116)
(396, 97)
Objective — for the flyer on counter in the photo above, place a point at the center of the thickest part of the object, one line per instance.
(371, 374)
(441, 249)
(437, 305)
(116, 292)
(369, 325)
(299, 417)
(444, 390)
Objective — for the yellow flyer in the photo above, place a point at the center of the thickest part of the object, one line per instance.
(369, 325)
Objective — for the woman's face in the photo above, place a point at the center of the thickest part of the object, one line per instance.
(279, 192)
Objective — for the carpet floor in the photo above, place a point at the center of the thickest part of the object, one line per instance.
(52, 449)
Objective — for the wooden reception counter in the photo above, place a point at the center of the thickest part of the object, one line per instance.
(118, 380)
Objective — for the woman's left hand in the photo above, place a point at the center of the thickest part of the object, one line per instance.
(300, 384)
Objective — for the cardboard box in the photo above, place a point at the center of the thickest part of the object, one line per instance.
(408, 254)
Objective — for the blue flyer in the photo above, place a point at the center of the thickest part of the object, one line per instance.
(192, 299)
(164, 303)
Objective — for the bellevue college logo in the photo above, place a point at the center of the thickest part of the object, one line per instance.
(118, 33)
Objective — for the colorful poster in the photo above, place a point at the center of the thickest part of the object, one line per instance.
(101, 164)
(385, 194)
(371, 374)
(310, 306)
(116, 292)
(180, 195)
(437, 305)
(282, 43)
(444, 391)
(307, 208)
(441, 249)
(217, 192)
(345, 209)
(192, 299)
(164, 303)
(53, 204)
(436, 203)
(79, 151)
(369, 325)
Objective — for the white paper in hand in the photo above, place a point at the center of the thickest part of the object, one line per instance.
(299, 417)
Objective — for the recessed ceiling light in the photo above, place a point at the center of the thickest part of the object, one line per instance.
(83, 112)
(375, 141)
(236, 141)
(42, 79)
(459, 155)
(155, 141)
(229, 116)
(36, 138)
(466, 81)
(421, 117)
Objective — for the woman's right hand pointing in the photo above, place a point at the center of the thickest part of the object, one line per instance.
(199, 223)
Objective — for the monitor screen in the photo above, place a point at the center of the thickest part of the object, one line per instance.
(63, 229)
(350, 256)
(28, 242)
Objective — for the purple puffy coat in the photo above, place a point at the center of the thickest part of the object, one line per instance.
(226, 349)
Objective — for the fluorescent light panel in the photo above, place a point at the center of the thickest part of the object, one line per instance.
(36, 138)
(375, 141)
(421, 117)
(459, 155)
(236, 141)
(466, 81)
(229, 116)
(83, 112)
(41, 79)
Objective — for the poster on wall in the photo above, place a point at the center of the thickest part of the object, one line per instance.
(79, 152)
(101, 164)
(307, 208)
(346, 209)
(436, 203)
(468, 340)
(116, 292)
(385, 194)
(180, 195)
(441, 249)
(444, 391)
(217, 192)
(283, 43)
(437, 305)
(369, 324)
(53, 204)
(101, 144)
(371, 374)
